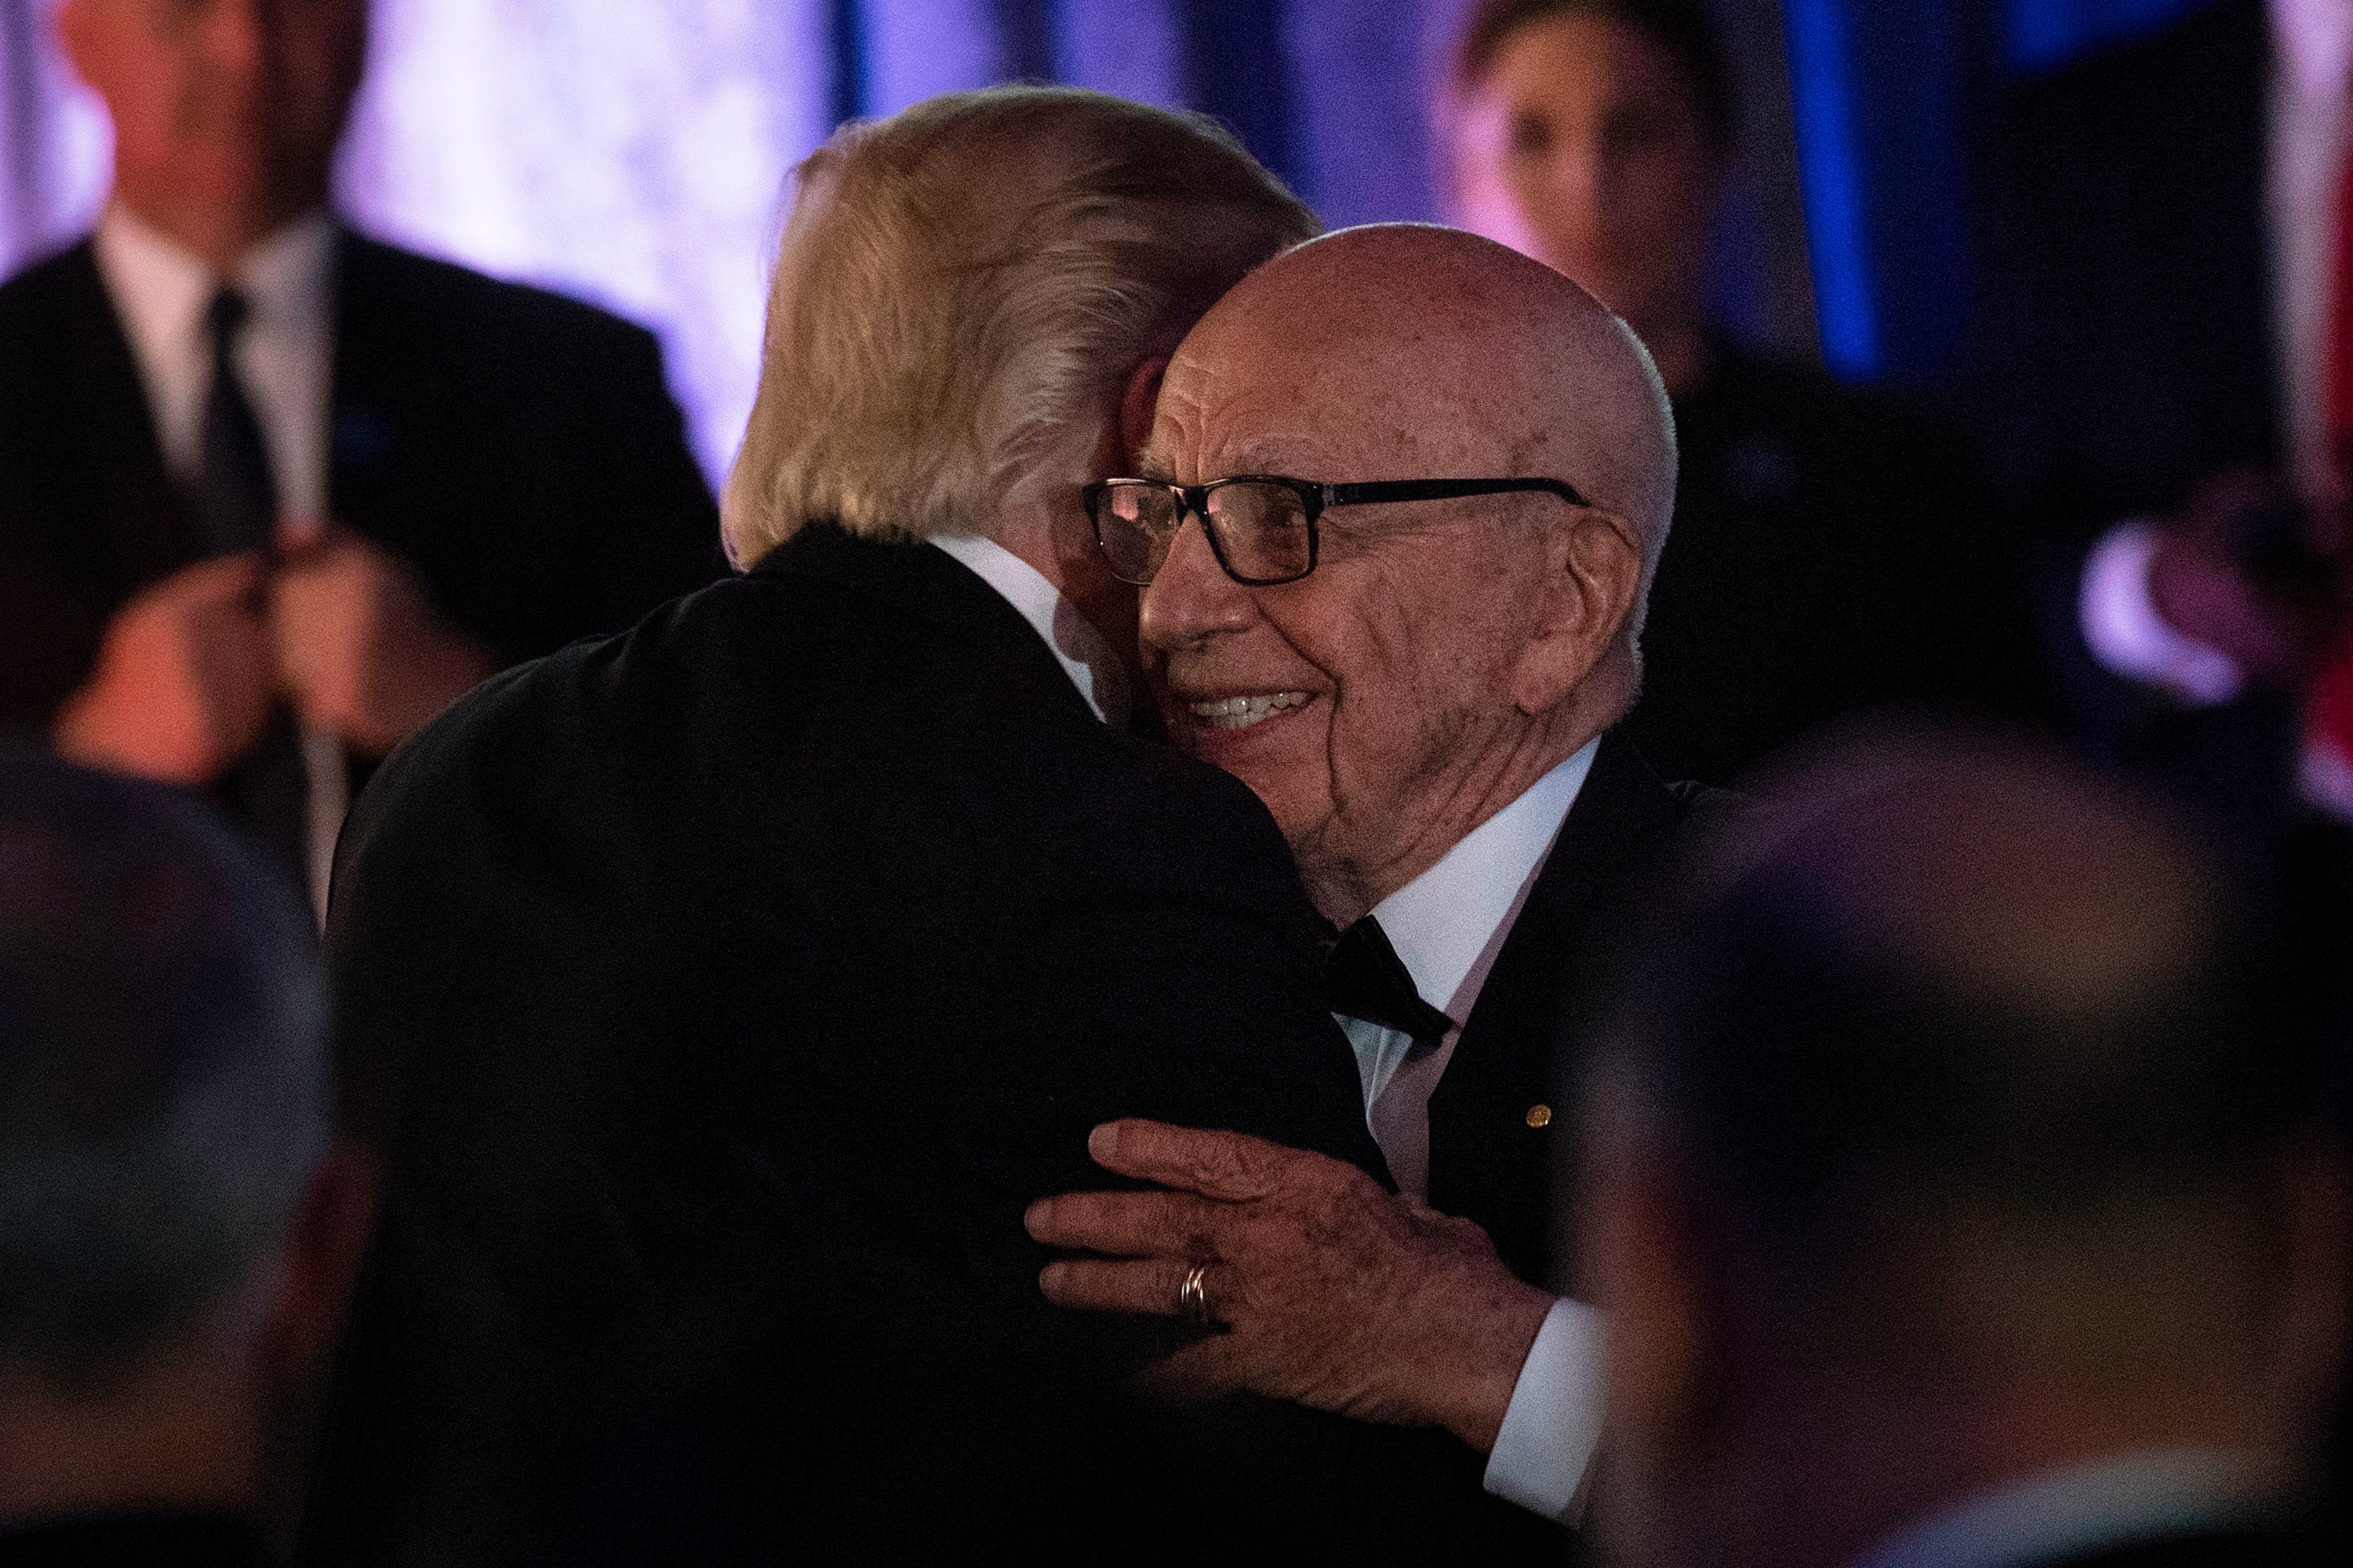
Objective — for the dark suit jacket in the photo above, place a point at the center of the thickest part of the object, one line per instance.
(1549, 994)
(517, 449)
(721, 993)
(2130, 354)
(1834, 549)
(136, 1540)
(2129, 348)
(2127, 296)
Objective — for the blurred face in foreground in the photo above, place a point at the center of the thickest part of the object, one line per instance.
(1585, 147)
(226, 112)
(1431, 666)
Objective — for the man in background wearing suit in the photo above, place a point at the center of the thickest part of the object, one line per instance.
(276, 493)
(1423, 692)
(723, 993)
(1953, 1199)
(178, 1228)
(2168, 334)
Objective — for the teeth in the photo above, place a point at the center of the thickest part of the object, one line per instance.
(1241, 712)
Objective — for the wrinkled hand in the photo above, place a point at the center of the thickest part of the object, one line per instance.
(184, 681)
(1333, 1292)
(360, 649)
(2280, 626)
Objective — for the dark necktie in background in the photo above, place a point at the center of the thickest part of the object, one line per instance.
(1364, 978)
(236, 509)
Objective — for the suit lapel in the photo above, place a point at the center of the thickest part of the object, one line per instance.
(362, 450)
(1498, 1114)
(140, 511)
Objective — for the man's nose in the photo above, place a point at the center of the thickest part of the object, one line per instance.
(1191, 599)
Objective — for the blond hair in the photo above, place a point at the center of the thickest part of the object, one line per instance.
(963, 289)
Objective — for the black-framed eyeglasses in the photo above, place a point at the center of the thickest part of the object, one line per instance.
(1261, 527)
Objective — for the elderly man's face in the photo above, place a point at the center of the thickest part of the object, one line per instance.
(1371, 700)
(235, 103)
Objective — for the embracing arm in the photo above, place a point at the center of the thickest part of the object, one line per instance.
(1333, 1292)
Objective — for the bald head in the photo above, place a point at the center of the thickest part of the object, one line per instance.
(1455, 355)
(1440, 655)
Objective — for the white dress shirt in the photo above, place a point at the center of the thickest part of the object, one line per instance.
(2091, 1508)
(1448, 925)
(285, 356)
(2312, 59)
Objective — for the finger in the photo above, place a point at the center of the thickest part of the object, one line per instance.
(299, 534)
(223, 580)
(1227, 1165)
(1150, 1286)
(1209, 1368)
(1129, 1225)
(1416, 1208)
(320, 559)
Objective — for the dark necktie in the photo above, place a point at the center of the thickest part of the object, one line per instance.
(236, 508)
(236, 502)
(1364, 978)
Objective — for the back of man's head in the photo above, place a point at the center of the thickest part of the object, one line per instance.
(962, 292)
(1962, 1095)
(164, 1079)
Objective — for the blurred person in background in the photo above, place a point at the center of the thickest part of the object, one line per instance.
(277, 493)
(1953, 1199)
(2167, 379)
(178, 1228)
(1833, 549)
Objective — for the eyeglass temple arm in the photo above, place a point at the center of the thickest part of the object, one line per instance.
(1379, 490)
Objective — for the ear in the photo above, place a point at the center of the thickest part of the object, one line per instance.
(1593, 569)
(322, 1259)
(1135, 407)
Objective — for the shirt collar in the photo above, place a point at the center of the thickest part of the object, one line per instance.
(2073, 1512)
(2315, 41)
(161, 288)
(1444, 919)
(1084, 653)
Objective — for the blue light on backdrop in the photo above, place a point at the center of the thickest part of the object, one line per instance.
(2046, 33)
(1884, 96)
(1835, 178)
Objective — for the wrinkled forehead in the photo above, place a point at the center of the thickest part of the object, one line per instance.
(1318, 401)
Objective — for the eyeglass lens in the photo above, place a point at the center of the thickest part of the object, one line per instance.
(1261, 530)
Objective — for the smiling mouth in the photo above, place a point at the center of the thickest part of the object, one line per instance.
(1241, 712)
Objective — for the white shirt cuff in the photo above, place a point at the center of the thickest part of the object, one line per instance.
(2130, 638)
(1553, 1422)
